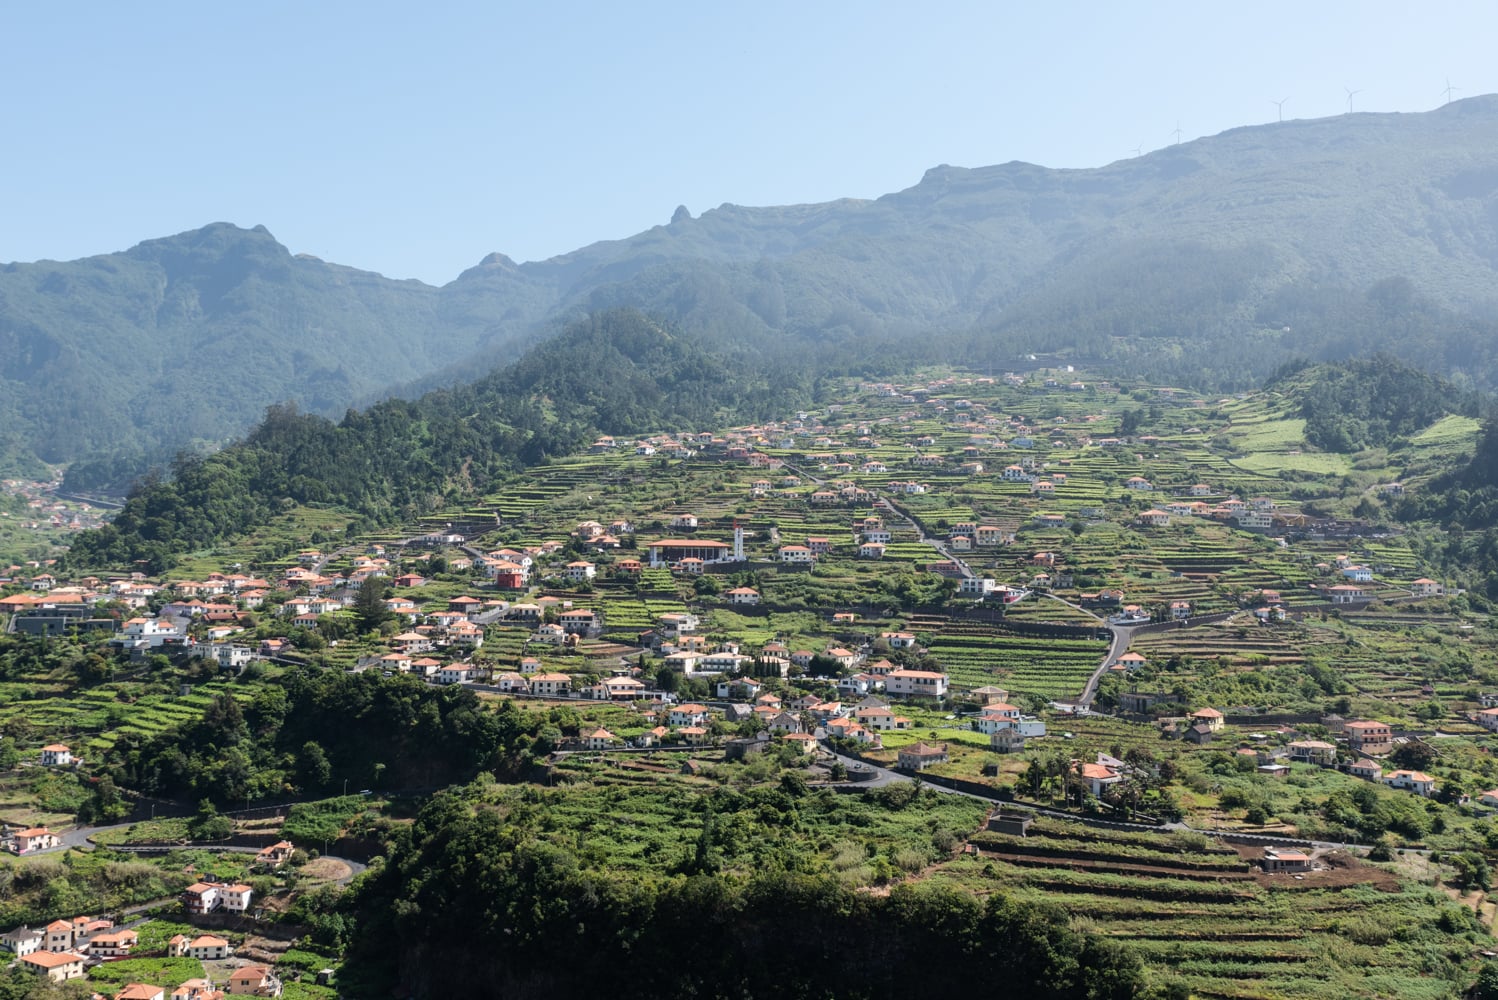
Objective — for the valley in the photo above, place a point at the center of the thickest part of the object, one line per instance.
(1161, 626)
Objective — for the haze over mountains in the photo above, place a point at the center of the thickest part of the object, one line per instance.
(1210, 262)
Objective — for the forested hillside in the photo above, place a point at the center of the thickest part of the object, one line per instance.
(183, 341)
(1209, 263)
(479, 898)
(616, 373)
(1360, 404)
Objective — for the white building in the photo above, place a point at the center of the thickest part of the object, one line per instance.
(916, 684)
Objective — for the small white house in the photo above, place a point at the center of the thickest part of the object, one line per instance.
(56, 755)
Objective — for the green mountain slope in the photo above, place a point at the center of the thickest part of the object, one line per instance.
(617, 372)
(186, 339)
(1210, 262)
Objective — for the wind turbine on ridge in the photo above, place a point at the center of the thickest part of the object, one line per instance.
(1177, 132)
(1449, 90)
(1280, 107)
(1350, 94)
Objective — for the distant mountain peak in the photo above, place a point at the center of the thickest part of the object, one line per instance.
(217, 239)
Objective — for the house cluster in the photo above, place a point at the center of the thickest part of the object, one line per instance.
(965, 536)
(1254, 514)
(1006, 727)
(1364, 739)
(44, 509)
(67, 949)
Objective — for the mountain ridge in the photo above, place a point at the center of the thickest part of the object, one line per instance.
(1208, 248)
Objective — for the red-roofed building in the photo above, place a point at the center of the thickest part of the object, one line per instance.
(141, 991)
(209, 947)
(36, 838)
(919, 756)
(1279, 859)
(1098, 776)
(56, 755)
(253, 981)
(1369, 737)
(58, 966)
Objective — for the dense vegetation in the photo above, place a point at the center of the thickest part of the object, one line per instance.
(477, 898)
(31, 893)
(1358, 404)
(181, 342)
(616, 372)
(1464, 502)
(317, 731)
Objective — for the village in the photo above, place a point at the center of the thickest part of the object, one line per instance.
(981, 582)
(69, 949)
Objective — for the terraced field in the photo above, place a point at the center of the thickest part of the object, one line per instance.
(975, 654)
(93, 718)
(1192, 909)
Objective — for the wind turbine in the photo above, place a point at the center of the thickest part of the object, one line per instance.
(1139, 150)
(1449, 90)
(1350, 94)
(1177, 132)
(1280, 107)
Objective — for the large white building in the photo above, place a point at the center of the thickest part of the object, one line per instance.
(916, 684)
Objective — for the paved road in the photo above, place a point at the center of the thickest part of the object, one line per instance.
(938, 544)
(1122, 636)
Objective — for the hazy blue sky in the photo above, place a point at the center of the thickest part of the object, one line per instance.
(412, 139)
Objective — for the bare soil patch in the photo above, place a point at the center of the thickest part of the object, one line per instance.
(326, 870)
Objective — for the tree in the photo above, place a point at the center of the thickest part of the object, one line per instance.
(208, 824)
(1487, 982)
(1414, 755)
(108, 805)
(369, 605)
(704, 858)
(313, 768)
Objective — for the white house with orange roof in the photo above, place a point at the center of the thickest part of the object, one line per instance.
(905, 683)
(1097, 776)
(58, 966)
(1418, 782)
(33, 839)
(550, 685)
(994, 717)
(209, 948)
(56, 755)
(1209, 717)
(253, 981)
(113, 944)
(1346, 593)
(743, 596)
(601, 739)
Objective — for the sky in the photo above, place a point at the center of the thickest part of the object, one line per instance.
(413, 139)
